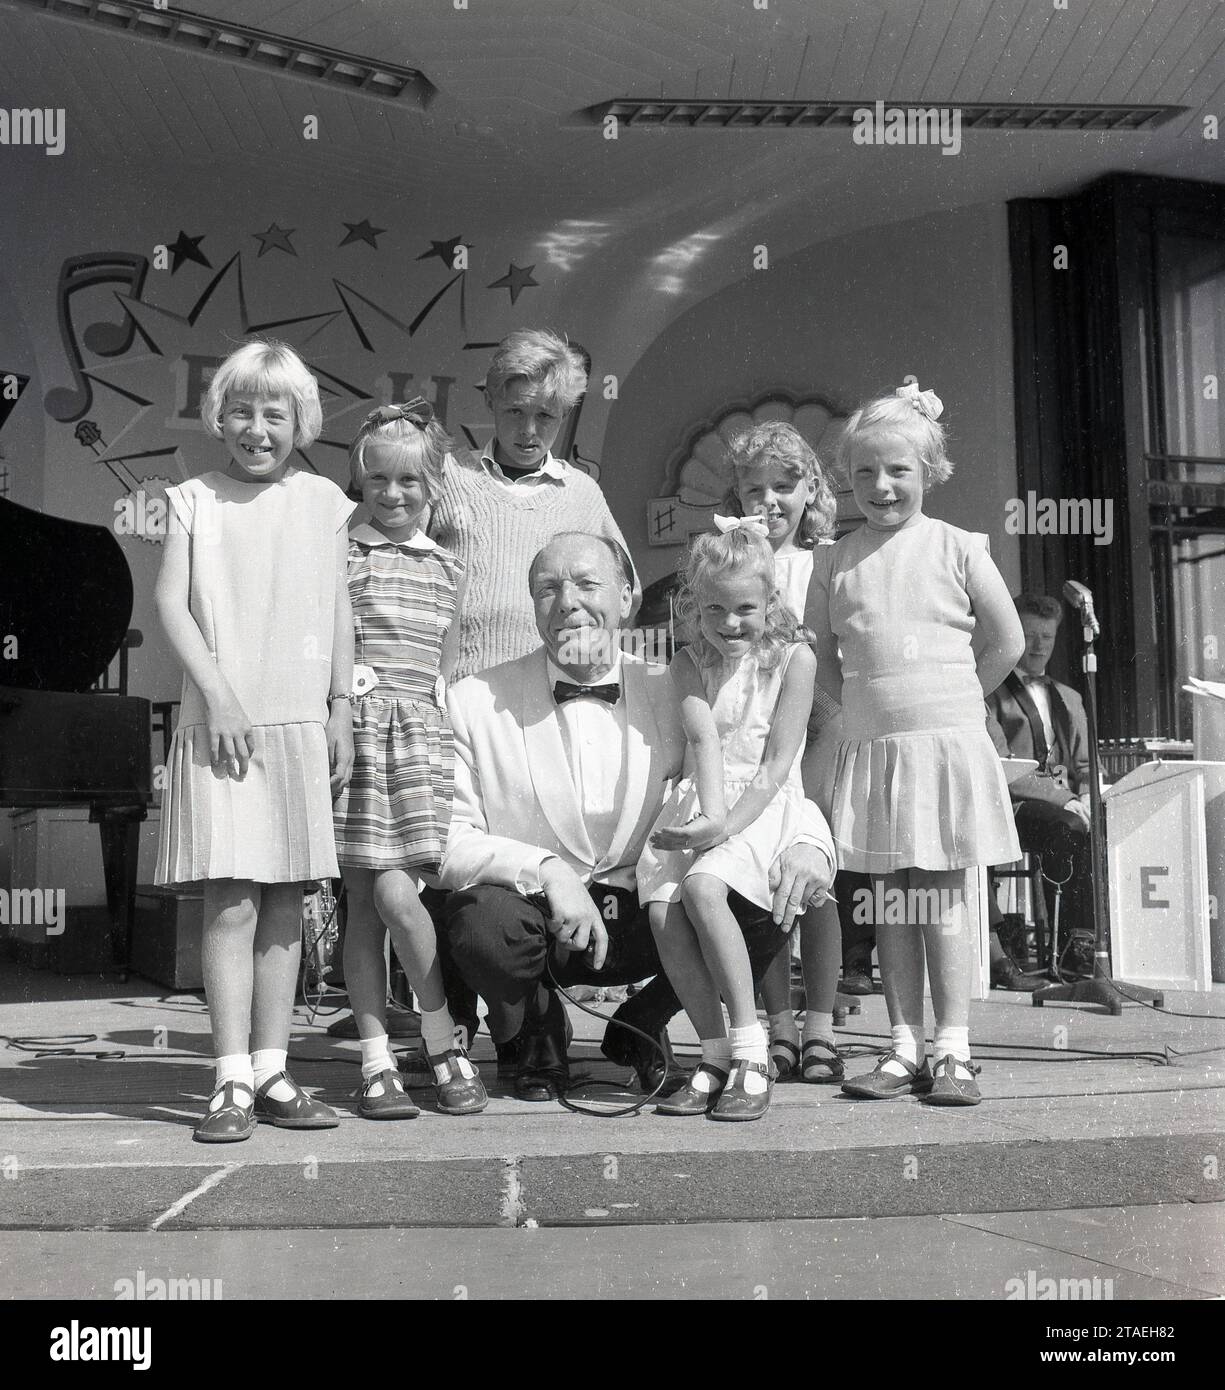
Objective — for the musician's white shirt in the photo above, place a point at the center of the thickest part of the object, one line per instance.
(593, 734)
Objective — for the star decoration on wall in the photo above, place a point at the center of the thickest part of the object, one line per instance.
(445, 250)
(516, 280)
(187, 248)
(275, 238)
(363, 231)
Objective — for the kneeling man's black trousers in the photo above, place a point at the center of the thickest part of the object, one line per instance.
(499, 941)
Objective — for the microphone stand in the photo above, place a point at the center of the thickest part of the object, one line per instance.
(1100, 988)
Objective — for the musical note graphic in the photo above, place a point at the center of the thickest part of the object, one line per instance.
(78, 273)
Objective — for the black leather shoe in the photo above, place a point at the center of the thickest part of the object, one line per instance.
(232, 1121)
(542, 1071)
(650, 1067)
(1006, 975)
(299, 1112)
(734, 1102)
(880, 1084)
(855, 981)
(508, 1059)
(689, 1101)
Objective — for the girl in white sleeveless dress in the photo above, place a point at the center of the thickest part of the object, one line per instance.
(746, 690)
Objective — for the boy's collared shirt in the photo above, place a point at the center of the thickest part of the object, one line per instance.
(553, 469)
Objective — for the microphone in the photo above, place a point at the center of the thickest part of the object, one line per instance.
(1082, 600)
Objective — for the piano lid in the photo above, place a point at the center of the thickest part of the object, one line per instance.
(65, 594)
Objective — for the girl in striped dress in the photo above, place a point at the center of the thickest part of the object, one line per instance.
(391, 823)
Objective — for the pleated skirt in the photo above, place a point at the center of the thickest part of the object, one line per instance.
(926, 800)
(396, 810)
(273, 825)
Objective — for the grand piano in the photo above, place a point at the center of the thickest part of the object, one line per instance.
(66, 599)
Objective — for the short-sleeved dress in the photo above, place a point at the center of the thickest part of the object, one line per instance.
(918, 782)
(743, 698)
(263, 594)
(396, 809)
(793, 573)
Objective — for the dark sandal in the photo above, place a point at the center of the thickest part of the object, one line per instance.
(460, 1095)
(393, 1104)
(948, 1089)
(785, 1056)
(736, 1103)
(690, 1101)
(880, 1084)
(821, 1063)
(232, 1121)
(299, 1112)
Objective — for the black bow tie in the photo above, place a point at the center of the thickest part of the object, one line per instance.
(563, 691)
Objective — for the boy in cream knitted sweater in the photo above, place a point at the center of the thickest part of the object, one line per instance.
(498, 507)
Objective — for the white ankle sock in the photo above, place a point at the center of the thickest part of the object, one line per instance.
(437, 1037)
(376, 1056)
(234, 1067)
(952, 1042)
(750, 1045)
(437, 1030)
(267, 1063)
(818, 1026)
(907, 1043)
(782, 1026)
(716, 1052)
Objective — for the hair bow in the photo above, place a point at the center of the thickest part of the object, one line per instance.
(418, 412)
(925, 402)
(756, 523)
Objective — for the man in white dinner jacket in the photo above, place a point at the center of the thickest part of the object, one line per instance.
(563, 758)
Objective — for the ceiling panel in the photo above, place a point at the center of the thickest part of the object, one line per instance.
(1120, 38)
(510, 76)
(1176, 59)
(1134, 57)
(1003, 33)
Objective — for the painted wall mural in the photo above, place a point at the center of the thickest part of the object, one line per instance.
(126, 397)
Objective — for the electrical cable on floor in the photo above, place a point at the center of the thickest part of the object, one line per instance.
(63, 1045)
(609, 1019)
(1059, 1054)
(1160, 1009)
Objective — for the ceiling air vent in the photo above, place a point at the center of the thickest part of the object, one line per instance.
(690, 113)
(239, 43)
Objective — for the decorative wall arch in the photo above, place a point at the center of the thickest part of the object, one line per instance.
(698, 474)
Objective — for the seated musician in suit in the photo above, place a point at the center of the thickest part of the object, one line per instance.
(563, 760)
(1042, 718)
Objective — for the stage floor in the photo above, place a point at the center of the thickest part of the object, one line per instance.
(1071, 1119)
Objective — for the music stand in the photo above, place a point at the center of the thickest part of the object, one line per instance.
(1100, 987)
